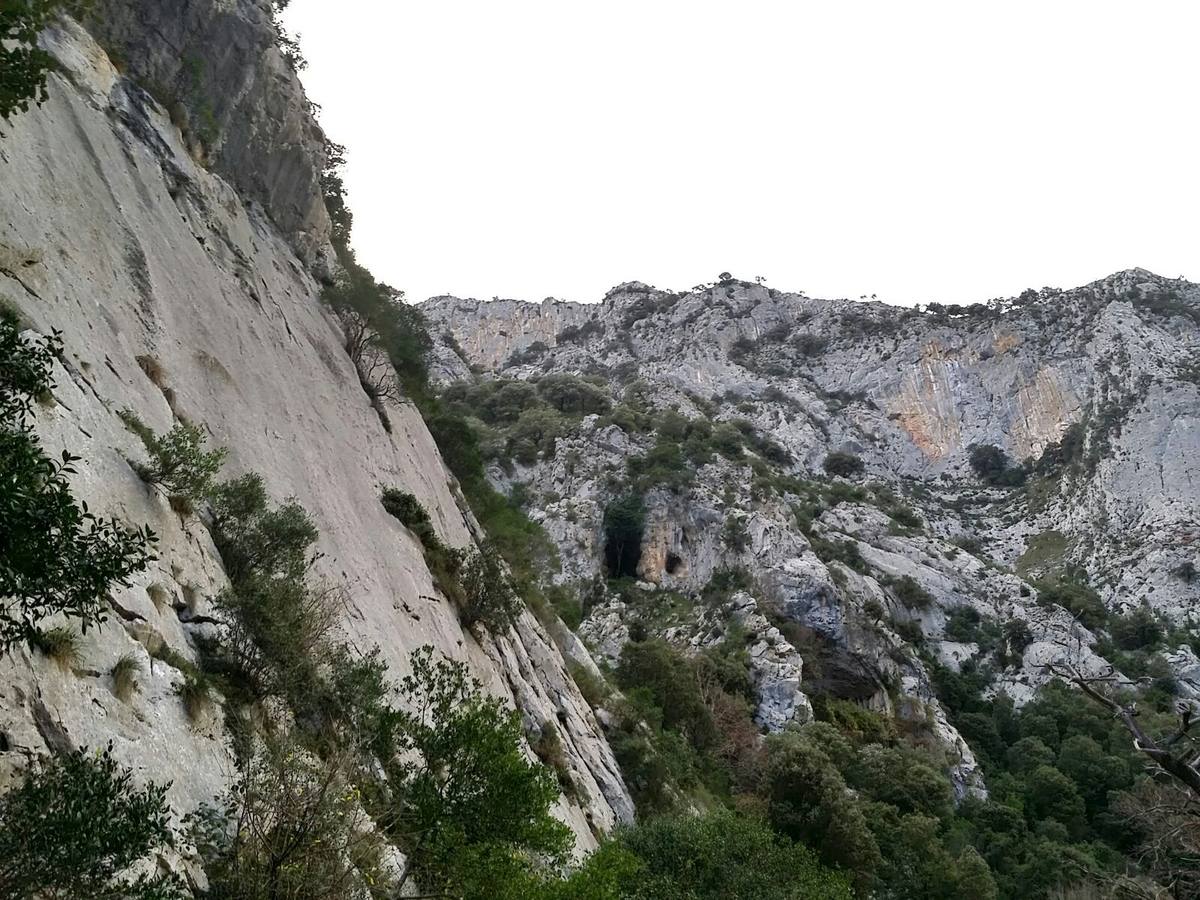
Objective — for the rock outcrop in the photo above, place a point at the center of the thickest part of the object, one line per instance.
(218, 69)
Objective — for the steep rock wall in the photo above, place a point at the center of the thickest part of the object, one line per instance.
(178, 298)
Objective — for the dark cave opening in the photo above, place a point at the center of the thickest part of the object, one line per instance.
(622, 554)
(624, 524)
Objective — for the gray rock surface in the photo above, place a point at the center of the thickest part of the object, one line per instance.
(148, 263)
(215, 66)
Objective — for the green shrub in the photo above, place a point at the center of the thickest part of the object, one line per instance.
(860, 725)
(909, 631)
(1077, 598)
(488, 595)
(408, 510)
(562, 601)
(965, 624)
(591, 686)
(735, 535)
(75, 824)
(548, 747)
(1017, 635)
(909, 592)
(1137, 630)
(291, 826)
(991, 464)
(178, 460)
(671, 683)
(445, 563)
(843, 551)
(809, 344)
(663, 465)
(276, 629)
(724, 584)
(844, 465)
(55, 556)
(254, 538)
(278, 626)
(60, 644)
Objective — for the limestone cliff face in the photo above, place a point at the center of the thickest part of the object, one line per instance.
(179, 295)
(909, 392)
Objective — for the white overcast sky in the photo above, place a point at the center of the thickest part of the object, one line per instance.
(948, 151)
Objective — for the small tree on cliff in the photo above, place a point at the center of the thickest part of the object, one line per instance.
(56, 557)
(76, 824)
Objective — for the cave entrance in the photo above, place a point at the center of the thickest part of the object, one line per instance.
(622, 554)
(624, 525)
(674, 564)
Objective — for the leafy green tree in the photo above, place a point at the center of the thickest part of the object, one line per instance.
(992, 465)
(535, 431)
(808, 800)
(254, 538)
(917, 863)
(571, 395)
(488, 594)
(179, 461)
(74, 826)
(902, 779)
(670, 681)
(975, 880)
(276, 631)
(24, 65)
(277, 625)
(464, 800)
(333, 189)
(1049, 794)
(1095, 772)
(403, 333)
(56, 557)
(1028, 754)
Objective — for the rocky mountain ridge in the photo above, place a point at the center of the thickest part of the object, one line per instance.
(1095, 389)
